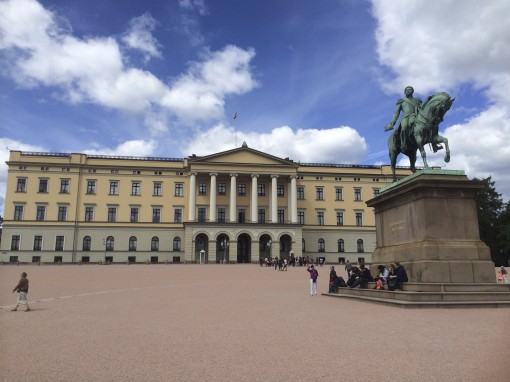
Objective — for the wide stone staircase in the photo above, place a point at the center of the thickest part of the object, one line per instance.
(434, 295)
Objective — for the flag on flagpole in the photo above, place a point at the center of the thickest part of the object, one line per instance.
(235, 115)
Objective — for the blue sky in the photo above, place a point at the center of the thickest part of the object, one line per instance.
(315, 81)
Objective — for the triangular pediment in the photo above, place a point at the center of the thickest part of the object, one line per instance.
(243, 156)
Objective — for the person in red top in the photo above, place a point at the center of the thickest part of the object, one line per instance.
(22, 289)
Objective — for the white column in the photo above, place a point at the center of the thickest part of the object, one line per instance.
(274, 203)
(293, 196)
(192, 196)
(254, 198)
(212, 200)
(233, 198)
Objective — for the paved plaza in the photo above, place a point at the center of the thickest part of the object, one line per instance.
(171, 322)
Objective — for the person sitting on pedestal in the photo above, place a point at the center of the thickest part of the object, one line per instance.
(398, 275)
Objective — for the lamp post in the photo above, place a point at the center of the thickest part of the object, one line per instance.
(202, 253)
(225, 243)
(269, 244)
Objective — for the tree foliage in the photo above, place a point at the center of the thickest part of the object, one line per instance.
(494, 221)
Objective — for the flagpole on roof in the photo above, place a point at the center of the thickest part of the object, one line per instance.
(235, 117)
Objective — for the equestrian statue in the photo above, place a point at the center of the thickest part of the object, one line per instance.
(418, 126)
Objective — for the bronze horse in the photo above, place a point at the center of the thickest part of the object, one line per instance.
(424, 130)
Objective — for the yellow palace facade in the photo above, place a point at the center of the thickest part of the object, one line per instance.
(236, 206)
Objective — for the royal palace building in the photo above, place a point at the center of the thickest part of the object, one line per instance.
(237, 206)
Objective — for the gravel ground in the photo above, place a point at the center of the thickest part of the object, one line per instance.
(232, 323)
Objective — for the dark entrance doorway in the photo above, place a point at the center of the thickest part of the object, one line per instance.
(201, 243)
(285, 246)
(243, 248)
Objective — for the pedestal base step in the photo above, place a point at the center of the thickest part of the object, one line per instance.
(446, 296)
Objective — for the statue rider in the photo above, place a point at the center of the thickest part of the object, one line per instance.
(410, 107)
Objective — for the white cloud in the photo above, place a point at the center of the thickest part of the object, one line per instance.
(39, 53)
(191, 5)
(336, 145)
(440, 46)
(445, 46)
(200, 93)
(139, 36)
(6, 145)
(137, 147)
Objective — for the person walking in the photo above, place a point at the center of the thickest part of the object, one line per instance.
(22, 289)
(313, 279)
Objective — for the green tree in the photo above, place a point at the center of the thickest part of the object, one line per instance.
(504, 235)
(490, 207)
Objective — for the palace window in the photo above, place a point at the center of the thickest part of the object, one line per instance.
(158, 189)
(339, 218)
(134, 215)
(339, 193)
(301, 193)
(222, 189)
(21, 185)
(321, 245)
(18, 212)
(221, 215)
(179, 189)
(114, 188)
(43, 185)
(301, 217)
(132, 243)
(89, 214)
(359, 219)
(86, 243)
(202, 188)
(135, 189)
(91, 187)
(155, 244)
(110, 244)
(177, 215)
(64, 186)
(62, 213)
(262, 215)
(156, 215)
(281, 216)
(341, 245)
(320, 217)
(177, 244)
(112, 214)
(357, 194)
(241, 189)
(201, 214)
(280, 190)
(15, 240)
(262, 190)
(319, 193)
(41, 213)
(37, 243)
(59, 243)
(360, 245)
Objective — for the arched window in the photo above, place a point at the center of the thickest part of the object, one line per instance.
(155, 243)
(132, 243)
(110, 243)
(341, 245)
(322, 245)
(360, 246)
(177, 244)
(86, 243)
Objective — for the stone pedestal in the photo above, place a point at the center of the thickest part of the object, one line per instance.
(428, 221)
